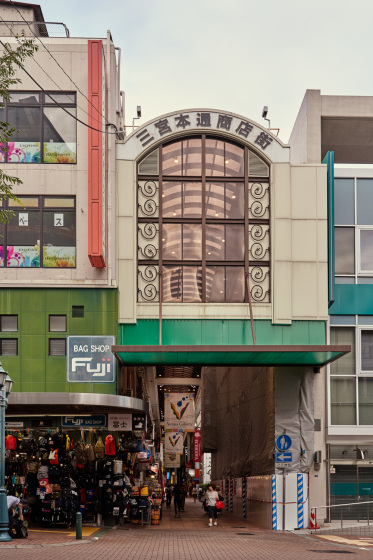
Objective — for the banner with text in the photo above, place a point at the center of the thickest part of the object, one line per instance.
(179, 411)
(174, 442)
(197, 446)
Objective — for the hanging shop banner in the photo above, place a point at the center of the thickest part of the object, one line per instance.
(179, 411)
(197, 446)
(89, 359)
(171, 460)
(94, 421)
(139, 422)
(174, 442)
(120, 422)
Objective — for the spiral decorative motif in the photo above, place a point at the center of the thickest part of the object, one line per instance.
(149, 231)
(257, 251)
(149, 251)
(258, 190)
(258, 274)
(257, 293)
(258, 233)
(260, 285)
(257, 209)
(149, 293)
(148, 189)
(148, 273)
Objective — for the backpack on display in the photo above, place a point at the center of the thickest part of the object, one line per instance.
(100, 448)
(11, 443)
(118, 467)
(89, 451)
(80, 454)
(110, 445)
(28, 445)
(53, 456)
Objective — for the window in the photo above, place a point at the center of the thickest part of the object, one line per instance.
(57, 323)
(8, 323)
(41, 233)
(8, 347)
(78, 310)
(45, 131)
(57, 347)
(203, 223)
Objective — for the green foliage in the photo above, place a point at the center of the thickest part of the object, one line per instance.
(11, 59)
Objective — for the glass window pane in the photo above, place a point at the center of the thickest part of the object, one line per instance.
(215, 207)
(234, 160)
(364, 202)
(215, 284)
(366, 249)
(363, 280)
(24, 145)
(214, 157)
(347, 364)
(57, 323)
(215, 242)
(235, 284)
(171, 241)
(192, 200)
(192, 284)
(59, 239)
(235, 242)
(23, 248)
(172, 284)
(234, 200)
(9, 323)
(344, 280)
(365, 400)
(344, 202)
(26, 97)
(57, 346)
(192, 241)
(344, 250)
(343, 401)
(192, 157)
(59, 135)
(61, 98)
(367, 350)
(150, 165)
(257, 167)
(59, 202)
(25, 201)
(9, 347)
(171, 199)
(365, 320)
(172, 159)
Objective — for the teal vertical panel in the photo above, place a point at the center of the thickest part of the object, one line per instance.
(329, 160)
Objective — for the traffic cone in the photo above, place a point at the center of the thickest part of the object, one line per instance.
(313, 522)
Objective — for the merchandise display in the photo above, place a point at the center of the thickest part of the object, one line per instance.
(61, 472)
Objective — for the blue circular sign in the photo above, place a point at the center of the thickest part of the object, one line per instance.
(283, 442)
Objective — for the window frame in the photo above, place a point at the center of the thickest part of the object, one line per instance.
(246, 180)
(1, 346)
(43, 102)
(1, 322)
(49, 323)
(50, 341)
(41, 209)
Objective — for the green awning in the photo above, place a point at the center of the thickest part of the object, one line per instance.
(215, 355)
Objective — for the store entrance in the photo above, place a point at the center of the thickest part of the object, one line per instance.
(350, 484)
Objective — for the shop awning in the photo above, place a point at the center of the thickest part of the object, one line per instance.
(214, 355)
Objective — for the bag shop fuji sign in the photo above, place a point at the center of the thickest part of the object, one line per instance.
(89, 359)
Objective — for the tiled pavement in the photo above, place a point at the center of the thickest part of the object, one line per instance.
(186, 538)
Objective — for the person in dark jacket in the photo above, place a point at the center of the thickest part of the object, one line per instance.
(177, 497)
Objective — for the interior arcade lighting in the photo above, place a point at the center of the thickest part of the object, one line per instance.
(5, 389)
(136, 118)
(264, 115)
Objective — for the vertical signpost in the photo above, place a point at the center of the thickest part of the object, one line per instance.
(284, 460)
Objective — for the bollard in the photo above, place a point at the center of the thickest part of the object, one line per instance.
(78, 525)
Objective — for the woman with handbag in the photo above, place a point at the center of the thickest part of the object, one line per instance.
(211, 498)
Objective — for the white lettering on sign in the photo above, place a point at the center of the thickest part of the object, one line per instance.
(79, 348)
(99, 371)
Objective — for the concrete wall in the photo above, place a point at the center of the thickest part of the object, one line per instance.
(69, 179)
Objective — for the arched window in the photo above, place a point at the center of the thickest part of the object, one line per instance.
(203, 223)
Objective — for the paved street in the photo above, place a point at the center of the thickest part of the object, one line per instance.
(184, 538)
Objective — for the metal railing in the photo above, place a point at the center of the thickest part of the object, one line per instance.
(342, 519)
(36, 28)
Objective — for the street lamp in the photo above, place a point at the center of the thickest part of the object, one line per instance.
(5, 389)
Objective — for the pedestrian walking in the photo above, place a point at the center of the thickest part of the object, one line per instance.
(183, 494)
(211, 498)
(177, 495)
(168, 495)
(194, 493)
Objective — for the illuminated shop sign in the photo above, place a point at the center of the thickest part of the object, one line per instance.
(89, 359)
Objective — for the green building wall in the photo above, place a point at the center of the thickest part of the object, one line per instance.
(33, 370)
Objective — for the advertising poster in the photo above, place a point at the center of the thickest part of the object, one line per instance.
(179, 411)
(197, 446)
(174, 442)
(171, 460)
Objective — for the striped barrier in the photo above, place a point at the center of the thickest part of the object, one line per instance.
(300, 500)
(226, 494)
(274, 503)
(231, 495)
(244, 497)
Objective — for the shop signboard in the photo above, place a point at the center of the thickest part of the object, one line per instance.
(89, 359)
(93, 421)
(179, 411)
(144, 456)
(197, 446)
(14, 424)
(139, 422)
(120, 422)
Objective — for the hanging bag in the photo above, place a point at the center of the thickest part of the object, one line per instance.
(100, 448)
(110, 445)
(89, 451)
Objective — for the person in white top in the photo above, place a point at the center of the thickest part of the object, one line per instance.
(211, 498)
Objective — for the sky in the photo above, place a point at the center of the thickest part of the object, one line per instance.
(231, 55)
